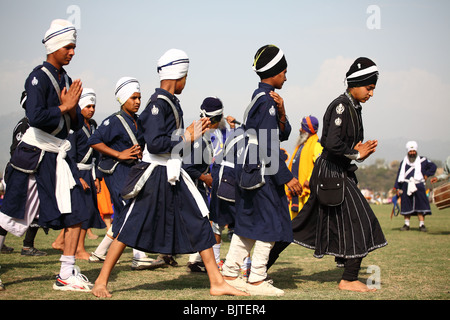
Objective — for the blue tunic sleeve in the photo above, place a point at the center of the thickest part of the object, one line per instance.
(428, 168)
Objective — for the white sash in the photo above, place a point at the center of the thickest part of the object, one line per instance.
(174, 171)
(88, 166)
(64, 178)
(418, 176)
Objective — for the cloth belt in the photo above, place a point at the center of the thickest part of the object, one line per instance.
(64, 177)
(174, 171)
(86, 167)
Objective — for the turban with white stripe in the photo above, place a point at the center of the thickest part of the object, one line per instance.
(125, 88)
(362, 72)
(173, 65)
(60, 34)
(269, 61)
(87, 98)
(211, 107)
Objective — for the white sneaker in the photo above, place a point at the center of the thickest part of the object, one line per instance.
(264, 289)
(94, 257)
(238, 283)
(76, 282)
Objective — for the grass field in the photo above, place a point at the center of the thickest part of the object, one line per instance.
(414, 266)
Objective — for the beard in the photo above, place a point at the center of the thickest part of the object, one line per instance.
(412, 158)
(222, 124)
(302, 138)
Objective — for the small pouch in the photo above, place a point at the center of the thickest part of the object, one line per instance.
(226, 190)
(107, 165)
(252, 176)
(330, 191)
(26, 158)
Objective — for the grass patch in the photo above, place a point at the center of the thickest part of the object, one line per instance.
(414, 266)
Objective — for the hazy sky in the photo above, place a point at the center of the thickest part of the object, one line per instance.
(409, 41)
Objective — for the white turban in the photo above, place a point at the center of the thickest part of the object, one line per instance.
(87, 98)
(125, 88)
(173, 65)
(60, 34)
(411, 145)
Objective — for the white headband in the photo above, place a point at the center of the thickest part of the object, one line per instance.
(125, 87)
(211, 114)
(173, 65)
(60, 34)
(87, 98)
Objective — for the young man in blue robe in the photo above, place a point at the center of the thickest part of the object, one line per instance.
(262, 214)
(167, 214)
(39, 161)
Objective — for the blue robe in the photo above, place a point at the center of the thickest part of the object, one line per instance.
(198, 162)
(78, 151)
(222, 212)
(42, 111)
(263, 214)
(417, 202)
(112, 133)
(164, 218)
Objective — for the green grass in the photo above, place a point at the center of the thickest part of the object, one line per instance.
(414, 266)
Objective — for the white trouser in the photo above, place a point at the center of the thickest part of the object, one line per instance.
(240, 248)
(18, 227)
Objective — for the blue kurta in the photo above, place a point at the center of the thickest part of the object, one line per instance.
(164, 218)
(42, 111)
(417, 202)
(222, 212)
(198, 162)
(77, 153)
(263, 214)
(112, 133)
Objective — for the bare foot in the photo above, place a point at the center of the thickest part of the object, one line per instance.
(100, 291)
(224, 289)
(58, 246)
(82, 255)
(357, 286)
(91, 235)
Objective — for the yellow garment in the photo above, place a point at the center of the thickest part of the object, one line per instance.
(310, 152)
